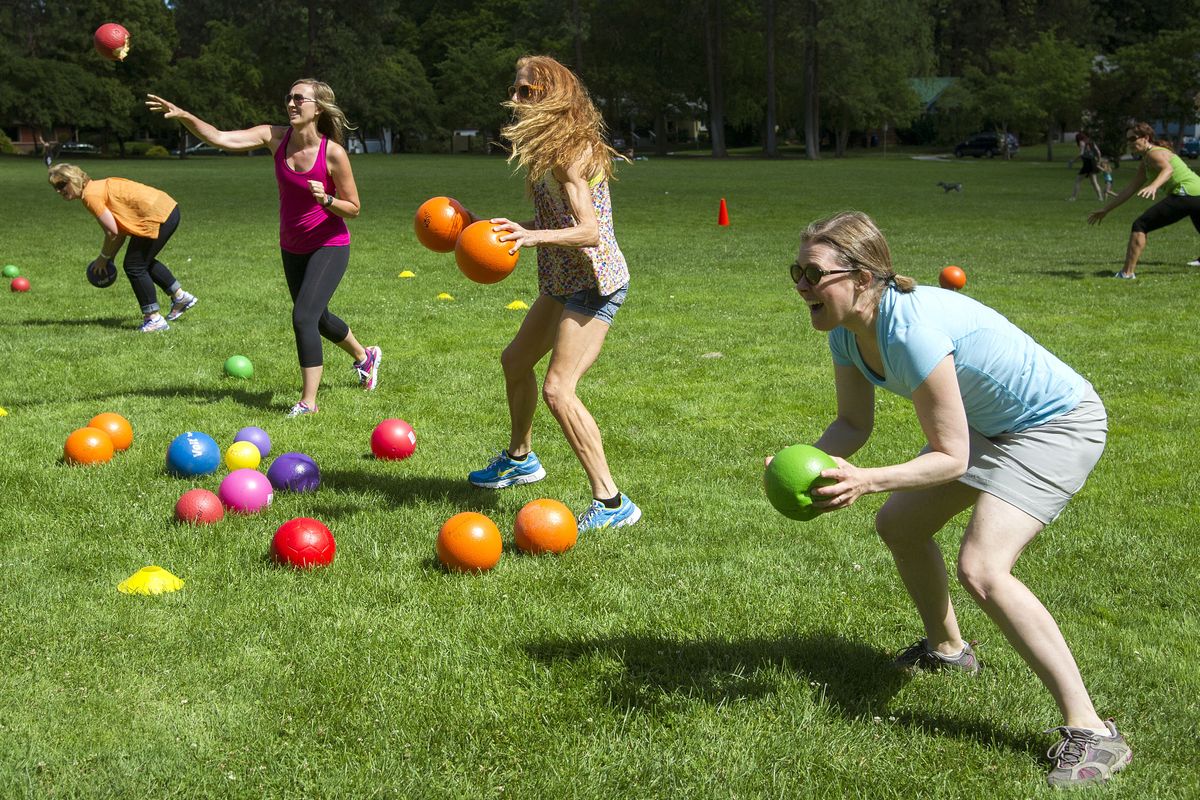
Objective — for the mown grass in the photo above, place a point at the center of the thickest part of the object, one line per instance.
(714, 650)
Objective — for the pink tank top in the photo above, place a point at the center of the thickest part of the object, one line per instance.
(304, 225)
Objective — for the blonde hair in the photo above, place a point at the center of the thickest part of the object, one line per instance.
(332, 120)
(69, 173)
(558, 126)
(857, 243)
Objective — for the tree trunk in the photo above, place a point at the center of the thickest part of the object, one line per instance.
(1050, 143)
(577, 23)
(843, 138)
(812, 106)
(660, 133)
(716, 99)
(770, 145)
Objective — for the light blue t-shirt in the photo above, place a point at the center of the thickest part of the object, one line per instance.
(1008, 381)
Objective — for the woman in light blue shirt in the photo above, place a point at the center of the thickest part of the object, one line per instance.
(1012, 432)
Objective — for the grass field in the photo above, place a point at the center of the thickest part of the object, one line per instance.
(714, 650)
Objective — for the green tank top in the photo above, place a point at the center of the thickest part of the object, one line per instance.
(1182, 181)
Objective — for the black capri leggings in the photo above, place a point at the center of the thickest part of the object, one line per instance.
(1168, 211)
(143, 268)
(312, 279)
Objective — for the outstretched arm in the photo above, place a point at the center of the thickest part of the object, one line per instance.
(234, 141)
(1097, 216)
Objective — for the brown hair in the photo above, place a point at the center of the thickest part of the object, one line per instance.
(1145, 130)
(332, 120)
(69, 173)
(558, 126)
(857, 243)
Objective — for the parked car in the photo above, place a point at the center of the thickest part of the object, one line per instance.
(78, 149)
(987, 144)
(1191, 147)
(202, 149)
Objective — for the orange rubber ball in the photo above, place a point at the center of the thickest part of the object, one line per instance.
(545, 526)
(469, 542)
(88, 446)
(952, 278)
(481, 255)
(438, 223)
(117, 428)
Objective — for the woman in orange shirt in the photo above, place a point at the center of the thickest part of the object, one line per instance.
(144, 215)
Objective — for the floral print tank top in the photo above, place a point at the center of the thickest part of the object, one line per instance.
(566, 270)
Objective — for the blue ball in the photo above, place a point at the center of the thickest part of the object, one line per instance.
(193, 453)
(257, 437)
(294, 472)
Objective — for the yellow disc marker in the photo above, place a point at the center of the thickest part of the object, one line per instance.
(516, 305)
(3, 412)
(408, 273)
(150, 580)
(242, 455)
(445, 296)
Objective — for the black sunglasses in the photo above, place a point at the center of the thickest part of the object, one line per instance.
(524, 91)
(59, 185)
(813, 273)
(298, 99)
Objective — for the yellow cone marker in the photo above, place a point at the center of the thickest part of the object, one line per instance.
(444, 296)
(516, 305)
(150, 580)
(3, 412)
(408, 273)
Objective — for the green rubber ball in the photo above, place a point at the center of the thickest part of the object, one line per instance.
(238, 367)
(791, 475)
(11, 271)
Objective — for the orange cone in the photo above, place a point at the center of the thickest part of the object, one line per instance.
(723, 214)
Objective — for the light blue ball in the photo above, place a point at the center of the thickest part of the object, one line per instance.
(193, 453)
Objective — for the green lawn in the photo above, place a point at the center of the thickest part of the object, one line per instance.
(716, 649)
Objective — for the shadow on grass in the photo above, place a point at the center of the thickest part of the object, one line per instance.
(263, 400)
(129, 322)
(401, 490)
(853, 679)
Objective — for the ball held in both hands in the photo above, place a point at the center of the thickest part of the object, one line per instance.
(792, 475)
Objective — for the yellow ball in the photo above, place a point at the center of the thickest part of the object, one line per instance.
(242, 455)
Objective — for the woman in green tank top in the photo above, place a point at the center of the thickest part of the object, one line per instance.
(1169, 174)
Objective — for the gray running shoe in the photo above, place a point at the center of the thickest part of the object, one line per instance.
(181, 305)
(1082, 757)
(920, 657)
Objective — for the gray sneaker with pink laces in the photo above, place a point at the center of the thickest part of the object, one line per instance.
(1083, 757)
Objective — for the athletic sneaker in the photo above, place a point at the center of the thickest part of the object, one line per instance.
(920, 657)
(1195, 262)
(367, 370)
(502, 471)
(300, 409)
(181, 305)
(1121, 274)
(1083, 757)
(599, 516)
(154, 324)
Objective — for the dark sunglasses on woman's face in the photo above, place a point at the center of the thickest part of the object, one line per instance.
(524, 91)
(59, 185)
(813, 273)
(298, 99)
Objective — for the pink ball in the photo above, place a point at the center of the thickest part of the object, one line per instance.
(246, 491)
(199, 507)
(393, 439)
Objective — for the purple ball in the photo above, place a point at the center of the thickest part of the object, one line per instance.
(257, 437)
(294, 472)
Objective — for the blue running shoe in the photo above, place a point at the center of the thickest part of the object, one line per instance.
(599, 516)
(503, 471)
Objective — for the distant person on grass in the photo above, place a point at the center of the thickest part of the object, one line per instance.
(147, 217)
(557, 136)
(1089, 157)
(1012, 432)
(316, 195)
(1181, 189)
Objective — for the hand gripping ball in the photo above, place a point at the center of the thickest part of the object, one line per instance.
(393, 440)
(469, 542)
(480, 254)
(438, 223)
(199, 507)
(792, 474)
(303, 542)
(103, 278)
(88, 446)
(112, 41)
(245, 491)
(545, 526)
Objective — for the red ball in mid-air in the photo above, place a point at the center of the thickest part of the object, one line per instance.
(393, 440)
(303, 542)
(199, 507)
(952, 278)
(480, 254)
(469, 542)
(112, 41)
(438, 223)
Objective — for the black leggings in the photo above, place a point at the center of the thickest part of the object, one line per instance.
(145, 270)
(1168, 211)
(312, 279)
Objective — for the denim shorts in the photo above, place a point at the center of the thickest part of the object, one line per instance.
(590, 303)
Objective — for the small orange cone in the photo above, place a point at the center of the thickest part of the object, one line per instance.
(723, 214)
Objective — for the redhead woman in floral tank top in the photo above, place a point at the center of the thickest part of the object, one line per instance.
(557, 136)
(317, 194)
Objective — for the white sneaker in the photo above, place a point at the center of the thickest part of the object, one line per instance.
(156, 323)
(1195, 262)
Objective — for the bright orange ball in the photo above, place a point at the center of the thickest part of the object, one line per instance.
(438, 223)
(952, 278)
(545, 526)
(117, 428)
(88, 446)
(469, 542)
(481, 255)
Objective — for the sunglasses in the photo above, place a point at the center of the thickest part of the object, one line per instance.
(298, 99)
(813, 273)
(524, 91)
(60, 185)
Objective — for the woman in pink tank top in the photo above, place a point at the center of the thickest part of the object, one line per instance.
(317, 195)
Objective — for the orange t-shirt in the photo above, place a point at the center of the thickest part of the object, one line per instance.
(137, 208)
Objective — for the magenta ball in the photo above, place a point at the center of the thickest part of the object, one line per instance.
(257, 437)
(393, 439)
(246, 491)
